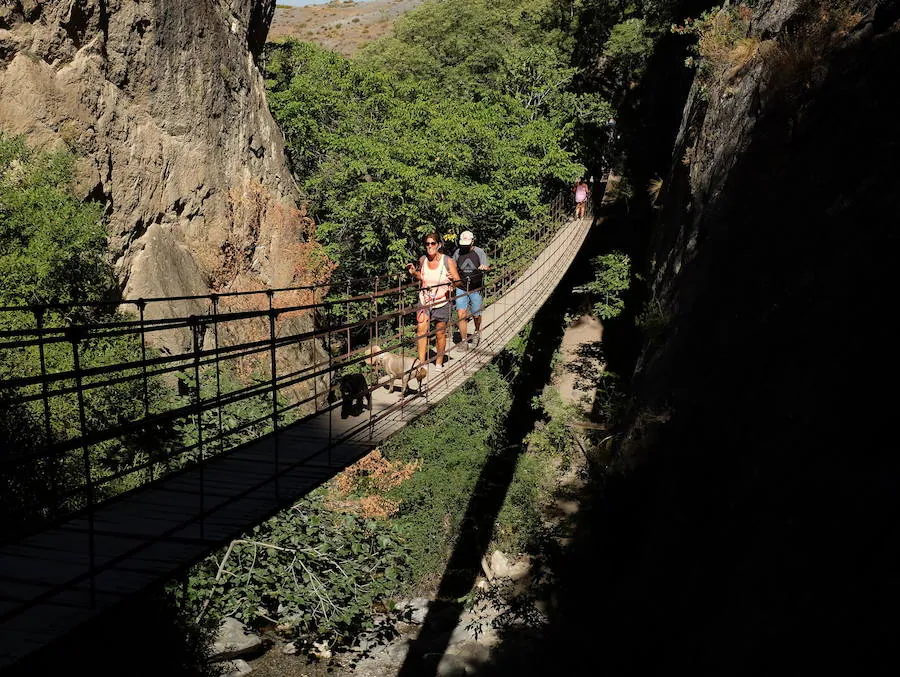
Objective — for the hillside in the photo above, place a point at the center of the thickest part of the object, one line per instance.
(341, 25)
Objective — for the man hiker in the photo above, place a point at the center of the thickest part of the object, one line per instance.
(471, 262)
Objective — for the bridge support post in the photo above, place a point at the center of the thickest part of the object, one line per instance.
(274, 374)
(374, 312)
(328, 406)
(347, 318)
(141, 306)
(45, 399)
(373, 315)
(403, 347)
(194, 323)
(214, 298)
(74, 335)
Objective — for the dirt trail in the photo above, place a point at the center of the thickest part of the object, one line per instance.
(581, 361)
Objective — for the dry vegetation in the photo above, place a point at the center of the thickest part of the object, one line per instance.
(341, 25)
(297, 264)
(360, 488)
(726, 45)
(802, 52)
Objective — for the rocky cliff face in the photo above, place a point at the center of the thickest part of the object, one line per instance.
(776, 217)
(750, 529)
(163, 102)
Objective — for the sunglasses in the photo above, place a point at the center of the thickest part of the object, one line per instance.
(430, 243)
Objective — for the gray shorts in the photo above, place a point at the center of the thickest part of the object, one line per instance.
(441, 314)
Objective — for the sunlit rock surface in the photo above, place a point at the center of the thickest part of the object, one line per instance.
(165, 106)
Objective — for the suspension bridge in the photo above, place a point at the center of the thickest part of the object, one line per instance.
(99, 532)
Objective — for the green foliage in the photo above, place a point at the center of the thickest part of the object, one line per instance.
(514, 355)
(611, 278)
(610, 399)
(553, 435)
(463, 120)
(473, 47)
(52, 245)
(652, 320)
(628, 40)
(453, 442)
(627, 51)
(35, 486)
(488, 50)
(323, 573)
(53, 250)
(238, 422)
(514, 352)
(519, 524)
(615, 41)
(318, 571)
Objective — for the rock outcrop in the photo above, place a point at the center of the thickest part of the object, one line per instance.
(758, 485)
(746, 525)
(775, 211)
(163, 103)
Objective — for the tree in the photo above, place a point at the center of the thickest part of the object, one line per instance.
(53, 251)
(386, 159)
(52, 245)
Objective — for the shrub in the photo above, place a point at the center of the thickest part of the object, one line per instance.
(519, 524)
(53, 251)
(800, 51)
(722, 41)
(627, 51)
(612, 274)
(452, 444)
(553, 435)
(652, 320)
(52, 245)
(310, 570)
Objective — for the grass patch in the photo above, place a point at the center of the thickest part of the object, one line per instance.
(452, 444)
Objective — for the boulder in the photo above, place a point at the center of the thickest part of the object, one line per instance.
(233, 640)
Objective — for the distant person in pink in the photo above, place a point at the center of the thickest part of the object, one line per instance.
(582, 192)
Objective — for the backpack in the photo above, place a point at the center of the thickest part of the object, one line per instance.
(471, 275)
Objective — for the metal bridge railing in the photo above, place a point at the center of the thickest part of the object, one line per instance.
(98, 420)
(208, 400)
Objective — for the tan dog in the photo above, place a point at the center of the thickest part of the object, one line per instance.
(398, 367)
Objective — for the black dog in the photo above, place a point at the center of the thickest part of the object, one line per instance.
(354, 395)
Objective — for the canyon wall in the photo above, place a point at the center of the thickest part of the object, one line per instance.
(746, 523)
(164, 105)
(760, 486)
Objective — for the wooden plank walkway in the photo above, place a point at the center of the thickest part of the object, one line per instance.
(149, 536)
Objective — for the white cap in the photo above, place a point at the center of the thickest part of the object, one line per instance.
(466, 238)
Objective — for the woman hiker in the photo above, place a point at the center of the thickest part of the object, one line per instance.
(437, 275)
